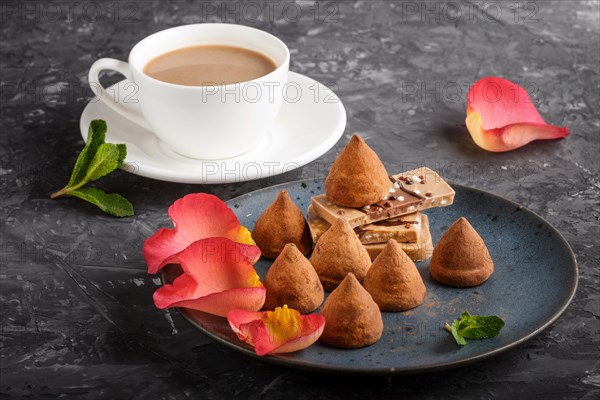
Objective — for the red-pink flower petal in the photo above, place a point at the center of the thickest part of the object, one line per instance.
(502, 117)
(220, 303)
(283, 330)
(196, 216)
(216, 278)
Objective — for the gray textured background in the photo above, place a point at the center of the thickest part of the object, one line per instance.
(77, 315)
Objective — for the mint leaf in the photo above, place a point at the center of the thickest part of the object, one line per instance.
(481, 327)
(108, 157)
(459, 339)
(96, 135)
(465, 317)
(474, 327)
(122, 154)
(96, 160)
(112, 203)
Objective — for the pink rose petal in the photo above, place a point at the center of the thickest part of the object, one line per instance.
(217, 277)
(502, 117)
(196, 216)
(283, 330)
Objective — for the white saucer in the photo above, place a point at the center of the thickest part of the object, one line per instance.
(303, 131)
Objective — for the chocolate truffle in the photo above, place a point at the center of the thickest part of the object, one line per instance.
(293, 281)
(281, 223)
(337, 253)
(357, 177)
(461, 258)
(394, 281)
(352, 318)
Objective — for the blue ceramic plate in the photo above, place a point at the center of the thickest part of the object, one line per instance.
(534, 281)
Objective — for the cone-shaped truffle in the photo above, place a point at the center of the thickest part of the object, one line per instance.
(352, 318)
(461, 258)
(293, 281)
(394, 281)
(281, 223)
(357, 177)
(337, 253)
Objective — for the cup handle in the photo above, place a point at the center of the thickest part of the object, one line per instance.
(112, 101)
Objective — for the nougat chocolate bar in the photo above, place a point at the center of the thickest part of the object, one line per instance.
(406, 228)
(410, 191)
(417, 251)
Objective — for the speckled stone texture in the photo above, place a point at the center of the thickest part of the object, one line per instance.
(77, 315)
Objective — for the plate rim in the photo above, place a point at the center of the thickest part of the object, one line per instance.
(303, 365)
(152, 172)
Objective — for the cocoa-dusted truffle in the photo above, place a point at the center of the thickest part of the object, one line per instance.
(337, 253)
(352, 318)
(394, 281)
(461, 258)
(281, 223)
(293, 281)
(357, 177)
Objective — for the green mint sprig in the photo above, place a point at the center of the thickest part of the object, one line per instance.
(96, 160)
(474, 327)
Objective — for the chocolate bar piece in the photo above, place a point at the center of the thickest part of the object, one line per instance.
(411, 191)
(418, 251)
(406, 228)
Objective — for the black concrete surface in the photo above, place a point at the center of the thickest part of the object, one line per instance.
(77, 318)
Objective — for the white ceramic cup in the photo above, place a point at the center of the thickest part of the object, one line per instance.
(203, 122)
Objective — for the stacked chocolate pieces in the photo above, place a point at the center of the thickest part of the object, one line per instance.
(378, 206)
